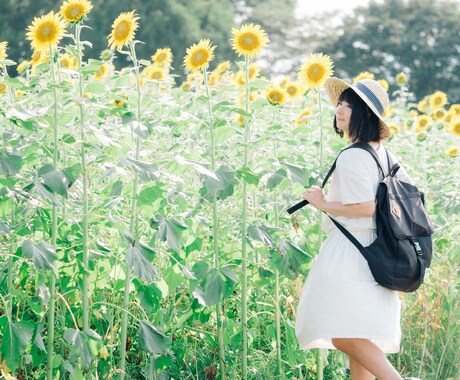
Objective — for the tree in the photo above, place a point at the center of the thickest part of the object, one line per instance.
(419, 37)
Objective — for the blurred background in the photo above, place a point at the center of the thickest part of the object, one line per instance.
(418, 37)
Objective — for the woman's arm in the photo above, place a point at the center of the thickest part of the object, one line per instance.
(315, 196)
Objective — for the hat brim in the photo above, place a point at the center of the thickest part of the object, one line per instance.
(335, 87)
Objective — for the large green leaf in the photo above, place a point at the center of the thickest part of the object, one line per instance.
(142, 267)
(42, 254)
(211, 289)
(169, 230)
(248, 176)
(149, 295)
(58, 181)
(16, 337)
(43, 192)
(290, 259)
(276, 178)
(4, 229)
(151, 339)
(10, 163)
(224, 184)
(85, 346)
(150, 194)
(263, 234)
(298, 174)
(200, 168)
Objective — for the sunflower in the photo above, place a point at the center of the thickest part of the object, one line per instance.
(455, 108)
(222, 67)
(248, 40)
(3, 47)
(438, 114)
(75, 10)
(384, 84)
(316, 69)
(155, 72)
(276, 95)
(239, 79)
(123, 30)
(363, 75)
(293, 89)
(253, 71)
(452, 151)
(413, 113)
(401, 78)
(423, 104)
(103, 71)
(422, 122)
(46, 31)
(199, 55)
(120, 100)
(23, 66)
(2, 88)
(438, 100)
(163, 56)
(284, 81)
(303, 117)
(455, 128)
(393, 129)
(67, 61)
(214, 78)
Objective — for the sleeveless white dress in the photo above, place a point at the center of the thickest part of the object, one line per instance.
(340, 298)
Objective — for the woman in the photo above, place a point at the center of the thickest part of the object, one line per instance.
(341, 306)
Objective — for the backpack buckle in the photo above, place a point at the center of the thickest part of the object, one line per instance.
(417, 247)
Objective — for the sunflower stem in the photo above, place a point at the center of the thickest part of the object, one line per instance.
(54, 225)
(133, 221)
(244, 264)
(320, 364)
(219, 313)
(84, 172)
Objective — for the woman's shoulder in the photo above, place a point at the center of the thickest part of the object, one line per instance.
(355, 156)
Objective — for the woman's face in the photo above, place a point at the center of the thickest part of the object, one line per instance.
(343, 115)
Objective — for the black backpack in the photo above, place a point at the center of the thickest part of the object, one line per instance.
(402, 251)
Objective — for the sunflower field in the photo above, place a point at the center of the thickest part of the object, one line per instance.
(143, 223)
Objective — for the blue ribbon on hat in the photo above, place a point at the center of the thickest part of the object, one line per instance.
(370, 95)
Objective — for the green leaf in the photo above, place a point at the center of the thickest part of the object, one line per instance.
(43, 192)
(169, 230)
(151, 339)
(10, 163)
(298, 174)
(211, 289)
(198, 167)
(92, 67)
(290, 259)
(150, 194)
(149, 296)
(14, 83)
(248, 176)
(140, 264)
(16, 337)
(4, 229)
(224, 185)
(263, 234)
(85, 346)
(58, 181)
(42, 254)
(276, 178)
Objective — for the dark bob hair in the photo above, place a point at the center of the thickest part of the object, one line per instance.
(364, 123)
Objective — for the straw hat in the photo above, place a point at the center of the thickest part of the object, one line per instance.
(369, 90)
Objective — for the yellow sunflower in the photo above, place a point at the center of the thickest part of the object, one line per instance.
(455, 128)
(276, 95)
(214, 78)
(222, 67)
(23, 66)
(75, 10)
(253, 71)
(438, 114)
(449, 117)
(422, 123)
(2, 88)
(452, 151)
(293, 89)
(384, 84)
(363, 75)
(438, 100)
(248, 40)
(103, 71)
(67, 61)
(163, 56)
(239, 79)
(155, 72)
(413, 113)
(455, 108)
(123, 30)
(401, 78)
(46, 31)
(199, 55)
(393, 129)
(423, 104)
(3, 47)
(316, 69)
(303, 117)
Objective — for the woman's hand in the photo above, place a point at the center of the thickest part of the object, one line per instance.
(315, 196)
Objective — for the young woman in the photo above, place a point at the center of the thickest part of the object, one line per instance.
(341, 306)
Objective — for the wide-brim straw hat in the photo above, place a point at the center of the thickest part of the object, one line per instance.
(369, 90)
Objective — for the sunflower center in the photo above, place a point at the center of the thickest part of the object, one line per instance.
(315, 72)
(291, 90)
(249, 41)
(156, 75)
(275, 96)
(46, 32)
(75, 12)
(161, 57)
(122, 30)
(199, 57)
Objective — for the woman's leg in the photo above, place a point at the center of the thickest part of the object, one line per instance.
(358, 372)
(369, 356)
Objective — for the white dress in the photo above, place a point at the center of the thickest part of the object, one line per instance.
(340, 298)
